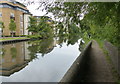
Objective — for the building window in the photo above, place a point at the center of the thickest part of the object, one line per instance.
(21, 24)
(0, 14)
(28, 19)
(12, 33)
(21, 21)
(1, 6)
(21, 18)
(21, 32)
(12, 16)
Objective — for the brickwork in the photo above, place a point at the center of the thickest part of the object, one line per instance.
(18, 11)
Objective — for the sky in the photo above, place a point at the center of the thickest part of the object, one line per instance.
(33, 9)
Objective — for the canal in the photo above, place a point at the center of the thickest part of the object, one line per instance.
(38, 61)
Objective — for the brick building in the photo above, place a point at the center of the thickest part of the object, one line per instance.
(11, 9)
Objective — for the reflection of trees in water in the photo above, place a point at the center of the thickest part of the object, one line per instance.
(43, 46)
(70, 39)
(46, 46)
(71, 35)
(32, 50)
(13, 51)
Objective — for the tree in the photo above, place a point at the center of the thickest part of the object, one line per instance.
(2, 25)
(45, 29)
(33, 25)
(12, 26)
(40, 27)
(104, 21)
(99, 18)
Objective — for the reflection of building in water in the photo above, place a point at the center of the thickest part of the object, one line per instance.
(14, 58)
(27, 56)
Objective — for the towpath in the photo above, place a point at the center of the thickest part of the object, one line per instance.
(97, 67)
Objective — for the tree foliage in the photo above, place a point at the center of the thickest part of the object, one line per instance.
(40, 27)
(101, 20)
(2, 25)
(12, 26)
(104, 21)
(45, 29)
(33, 25)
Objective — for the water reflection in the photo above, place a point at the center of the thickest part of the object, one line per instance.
(41, 46)
(14, 58)
(48, 58)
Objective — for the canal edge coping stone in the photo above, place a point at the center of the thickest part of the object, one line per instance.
(13, 41)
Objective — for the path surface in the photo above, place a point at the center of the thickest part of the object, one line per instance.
(97, 69)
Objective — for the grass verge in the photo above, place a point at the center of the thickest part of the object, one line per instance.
(14, 38)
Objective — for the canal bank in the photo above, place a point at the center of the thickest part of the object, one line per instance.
(90, 66)
(13, 40)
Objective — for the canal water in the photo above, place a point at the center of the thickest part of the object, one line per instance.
(38, 61)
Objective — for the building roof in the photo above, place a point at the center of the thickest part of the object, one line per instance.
(13, 3)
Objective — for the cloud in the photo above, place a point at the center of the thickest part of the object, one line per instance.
(33, 8)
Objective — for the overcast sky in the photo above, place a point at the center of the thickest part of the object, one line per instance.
(33, 9)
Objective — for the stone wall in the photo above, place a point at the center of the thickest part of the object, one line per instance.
(114, 54)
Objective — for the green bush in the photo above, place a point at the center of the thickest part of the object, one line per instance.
(34, 36)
